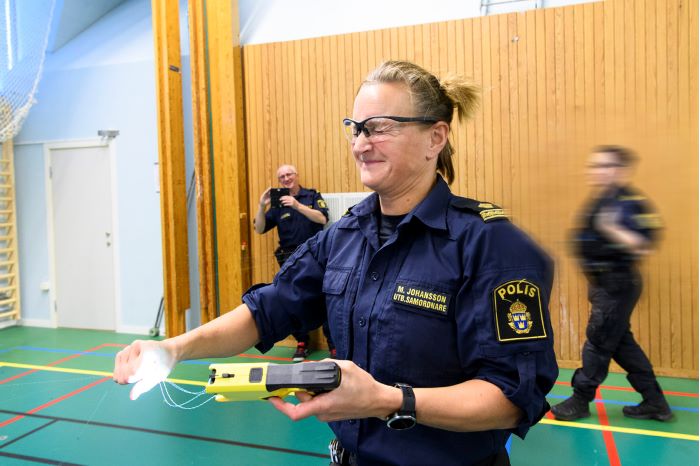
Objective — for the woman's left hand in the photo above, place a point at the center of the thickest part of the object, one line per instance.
(358, 396)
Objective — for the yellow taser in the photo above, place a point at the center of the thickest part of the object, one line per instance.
(256, 381)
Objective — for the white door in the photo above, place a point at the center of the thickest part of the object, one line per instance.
(82, 226)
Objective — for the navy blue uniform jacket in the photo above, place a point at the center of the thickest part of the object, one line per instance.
(292, 226)
(448, 298)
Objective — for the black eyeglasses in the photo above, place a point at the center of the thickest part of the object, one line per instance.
(593, 166)
(378, 128)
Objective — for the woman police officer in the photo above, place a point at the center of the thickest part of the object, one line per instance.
(437, 304)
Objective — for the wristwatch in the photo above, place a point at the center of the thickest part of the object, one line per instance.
(405, 417)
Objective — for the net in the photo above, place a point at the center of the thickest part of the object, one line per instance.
(24, 35)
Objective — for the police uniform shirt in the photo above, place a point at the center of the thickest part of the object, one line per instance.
(292, 226)
(448, 298)
(635, 214)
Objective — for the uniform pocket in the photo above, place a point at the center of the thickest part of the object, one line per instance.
(335, 280)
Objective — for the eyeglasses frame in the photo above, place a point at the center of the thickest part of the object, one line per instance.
(362, 129)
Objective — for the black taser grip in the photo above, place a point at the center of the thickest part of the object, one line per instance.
(315, 377)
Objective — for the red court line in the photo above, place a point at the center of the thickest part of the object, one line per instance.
(608, 438)
(67, 358)
(53, 402)
(630, 389)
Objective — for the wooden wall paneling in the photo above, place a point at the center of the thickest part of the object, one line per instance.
(652, 67)
(521, 150)
(676, 236)
(519, 166)
(276, 114)
(529, 83)
(171, 156)
(307, 152)
(466, 50)
(634, 87)
(348, 95)
(537, 108)
(506, 177)
(457, 55)
(569, 161)
(314, 124)
(644, 309)
(684, 133)
(479, 190)
(488, 87)
(555, 82)
(497, 115)
(337, 111)
(598, 39)
(329, 70)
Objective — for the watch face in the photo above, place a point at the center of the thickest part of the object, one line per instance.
(401, 422)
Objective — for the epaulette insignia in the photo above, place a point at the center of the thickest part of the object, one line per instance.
(648, 221)
(631, 197)
(492, 214)
(486, 210)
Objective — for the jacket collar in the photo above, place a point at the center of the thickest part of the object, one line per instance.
(431, 211)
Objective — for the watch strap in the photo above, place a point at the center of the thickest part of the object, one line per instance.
(408, 406)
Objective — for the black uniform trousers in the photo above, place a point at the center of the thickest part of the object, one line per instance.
(613, 296)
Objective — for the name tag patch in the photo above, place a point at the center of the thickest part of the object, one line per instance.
(517, 309)
(426, 300)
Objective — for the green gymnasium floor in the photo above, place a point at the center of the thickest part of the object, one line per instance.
(58, 405)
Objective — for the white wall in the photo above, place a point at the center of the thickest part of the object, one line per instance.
(104, 79)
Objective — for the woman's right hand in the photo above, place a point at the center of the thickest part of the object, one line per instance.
(144, 363)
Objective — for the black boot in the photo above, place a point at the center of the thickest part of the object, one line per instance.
(571, 409)
(659, 410)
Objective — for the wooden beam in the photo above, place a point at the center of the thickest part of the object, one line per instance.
(206, 239)
(171, 156)
(222, 204)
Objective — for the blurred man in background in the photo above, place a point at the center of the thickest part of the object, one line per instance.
(617, 227)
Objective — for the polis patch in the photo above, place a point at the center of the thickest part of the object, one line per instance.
(431, 301)
(517, 309)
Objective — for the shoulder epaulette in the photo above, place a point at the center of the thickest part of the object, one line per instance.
(347, 212)
(486, 210)
(627, 193)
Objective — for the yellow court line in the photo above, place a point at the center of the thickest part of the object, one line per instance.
(624, 430)
(87, 372)
(575, 425)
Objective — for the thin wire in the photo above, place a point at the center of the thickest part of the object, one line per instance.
(173, 404)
